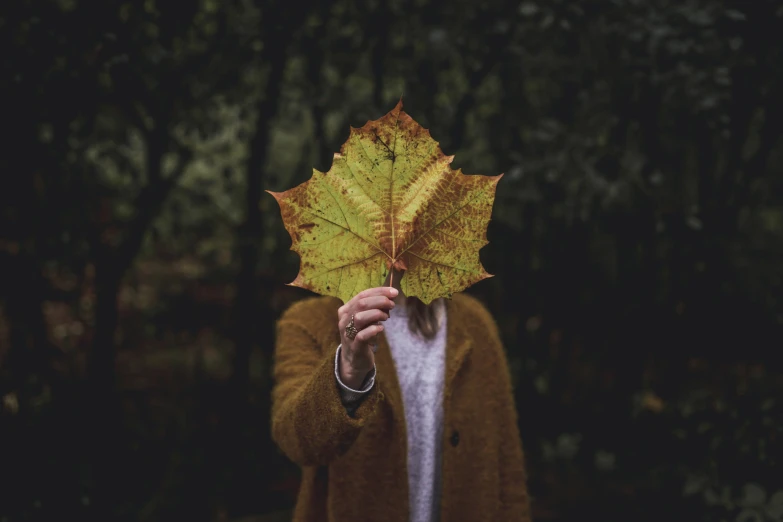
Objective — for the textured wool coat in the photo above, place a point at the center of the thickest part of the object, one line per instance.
(355, 468)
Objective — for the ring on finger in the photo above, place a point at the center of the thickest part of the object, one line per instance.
(351, 330)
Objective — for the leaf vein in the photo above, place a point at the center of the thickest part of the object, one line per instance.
(361, 187)
(436, 225)
(346, 229)
(443, 264)
(352, 263)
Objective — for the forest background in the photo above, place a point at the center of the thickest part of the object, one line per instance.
(637, 240)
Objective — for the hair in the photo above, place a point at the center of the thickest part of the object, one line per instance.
(421, 318)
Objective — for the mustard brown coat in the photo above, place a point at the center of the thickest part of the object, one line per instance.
(355, 468)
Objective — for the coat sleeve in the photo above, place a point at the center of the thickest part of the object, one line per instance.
(309, 422)
(514, 499)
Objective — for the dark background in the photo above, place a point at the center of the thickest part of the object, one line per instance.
(637, 240)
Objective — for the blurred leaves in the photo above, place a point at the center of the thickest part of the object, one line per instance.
(637, 242)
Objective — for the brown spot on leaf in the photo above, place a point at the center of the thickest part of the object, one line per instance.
(428, 220)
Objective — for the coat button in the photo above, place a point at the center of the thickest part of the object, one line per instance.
(455, 438)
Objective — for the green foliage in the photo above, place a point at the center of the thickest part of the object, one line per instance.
(636, 240)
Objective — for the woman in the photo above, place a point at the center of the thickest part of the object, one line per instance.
(397, 411)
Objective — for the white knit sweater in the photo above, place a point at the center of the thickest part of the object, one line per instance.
(420, 365)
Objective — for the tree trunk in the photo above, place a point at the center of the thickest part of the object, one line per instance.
(101, 415)
(100, 370)
(314, 50)
(111, 263)
(378, 55)
(254, 317)
(247, 313)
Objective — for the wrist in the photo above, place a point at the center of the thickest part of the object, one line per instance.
(349, 375)
(351, 378)
(352, 381)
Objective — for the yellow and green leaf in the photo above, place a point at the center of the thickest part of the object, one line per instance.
(391, 199)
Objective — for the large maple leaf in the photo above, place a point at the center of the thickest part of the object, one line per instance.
(391, 199)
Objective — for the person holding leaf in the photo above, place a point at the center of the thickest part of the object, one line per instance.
(395, 400)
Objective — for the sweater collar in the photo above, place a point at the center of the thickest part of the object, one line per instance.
(459, 345)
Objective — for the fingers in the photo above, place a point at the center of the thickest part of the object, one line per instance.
(385, 291)
(378, 302)
(368, 334)
(369, 312)
(373, 298)
(363, 319)
(367, 308)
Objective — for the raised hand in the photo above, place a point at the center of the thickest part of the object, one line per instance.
(358, 321)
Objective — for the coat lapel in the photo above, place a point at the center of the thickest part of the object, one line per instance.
(387, 374)
(458, 347)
